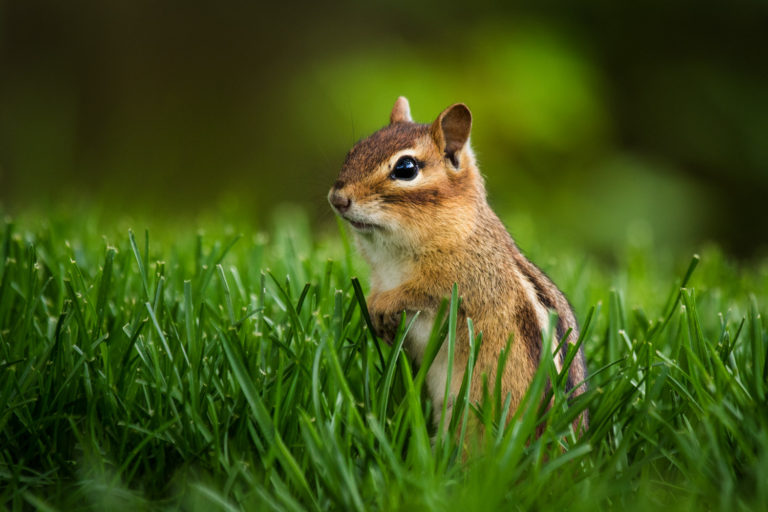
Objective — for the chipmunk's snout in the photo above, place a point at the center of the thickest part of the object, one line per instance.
(339, 201)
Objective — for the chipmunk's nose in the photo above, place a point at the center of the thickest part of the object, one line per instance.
(339, 201)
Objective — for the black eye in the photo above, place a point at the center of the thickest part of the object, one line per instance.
(405, 169)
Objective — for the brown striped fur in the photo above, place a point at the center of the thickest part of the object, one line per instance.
(422, 236)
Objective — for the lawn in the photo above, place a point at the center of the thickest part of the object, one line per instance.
(189, 367)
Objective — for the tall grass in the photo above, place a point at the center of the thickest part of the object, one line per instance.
(219, 372)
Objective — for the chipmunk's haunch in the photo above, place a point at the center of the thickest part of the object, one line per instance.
(417, 202)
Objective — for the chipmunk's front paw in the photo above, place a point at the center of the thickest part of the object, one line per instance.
(386, 311)
(385, 325)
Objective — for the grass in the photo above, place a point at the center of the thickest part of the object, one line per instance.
(174, 370)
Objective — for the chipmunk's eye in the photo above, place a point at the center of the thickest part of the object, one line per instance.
(405, 169)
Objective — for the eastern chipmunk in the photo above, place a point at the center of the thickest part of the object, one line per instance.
(417, 203)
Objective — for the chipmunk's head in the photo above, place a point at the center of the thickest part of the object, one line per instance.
(409, 183)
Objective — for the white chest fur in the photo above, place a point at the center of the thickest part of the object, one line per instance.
(389, 269)
(418, 338)
(388, 274)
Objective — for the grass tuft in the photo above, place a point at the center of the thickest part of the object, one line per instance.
(241, 373)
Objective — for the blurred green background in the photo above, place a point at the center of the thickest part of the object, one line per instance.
(595, 121)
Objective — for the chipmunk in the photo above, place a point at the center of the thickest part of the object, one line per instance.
(416, 201)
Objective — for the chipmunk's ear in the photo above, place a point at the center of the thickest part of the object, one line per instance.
(451, 131)
(401, 112)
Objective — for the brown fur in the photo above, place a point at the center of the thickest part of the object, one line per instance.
(439, 230)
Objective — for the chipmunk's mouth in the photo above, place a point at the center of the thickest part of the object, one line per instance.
(362, 226)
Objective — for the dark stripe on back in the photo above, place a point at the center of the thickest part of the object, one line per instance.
(530, 331)
(569, 382)
(578, 364)
(546, 301)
